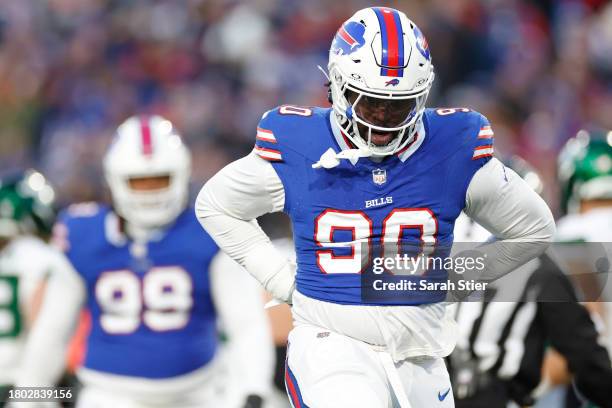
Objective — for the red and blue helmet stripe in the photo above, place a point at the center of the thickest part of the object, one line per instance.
(392, 38)
(145, 135)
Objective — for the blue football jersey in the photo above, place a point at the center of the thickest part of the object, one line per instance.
(151, 308)
(344, 216)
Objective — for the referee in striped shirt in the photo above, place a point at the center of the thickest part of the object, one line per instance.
(503, 339)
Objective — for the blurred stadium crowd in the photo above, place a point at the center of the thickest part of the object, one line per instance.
(71, 70)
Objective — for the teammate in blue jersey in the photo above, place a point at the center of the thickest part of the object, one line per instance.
(372, 173)
(157, 290)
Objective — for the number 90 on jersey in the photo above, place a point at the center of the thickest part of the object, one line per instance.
(346, 238)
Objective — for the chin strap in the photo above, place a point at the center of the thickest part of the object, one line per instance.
(331, 159)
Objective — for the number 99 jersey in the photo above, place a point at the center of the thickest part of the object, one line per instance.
(151, 309)
(345, 215)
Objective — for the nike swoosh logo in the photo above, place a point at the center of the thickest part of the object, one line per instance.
(441, 397)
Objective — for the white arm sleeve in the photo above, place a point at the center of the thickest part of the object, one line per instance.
(227, 207)
(503, 203)
(44, 355)
(238, 299)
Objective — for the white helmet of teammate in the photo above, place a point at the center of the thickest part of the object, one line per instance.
(147, 147)
(380, 72)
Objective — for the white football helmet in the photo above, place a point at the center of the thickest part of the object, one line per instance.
(380, 74)
(148, 146)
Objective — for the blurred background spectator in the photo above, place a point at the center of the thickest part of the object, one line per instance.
(71, 70)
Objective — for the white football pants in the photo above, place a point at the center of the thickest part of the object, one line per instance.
(328, 370)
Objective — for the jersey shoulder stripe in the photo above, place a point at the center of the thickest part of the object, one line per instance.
(288, 130)
(485, 137)
(265, 135)
(485, 132)
(482, 151)
(463, 131)
(268, 154)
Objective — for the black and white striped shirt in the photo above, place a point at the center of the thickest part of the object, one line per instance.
(502, 340)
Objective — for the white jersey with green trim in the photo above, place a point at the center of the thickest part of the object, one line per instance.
(24, 263)
(592, 226)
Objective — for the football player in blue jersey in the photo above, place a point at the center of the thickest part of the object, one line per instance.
(156, 290)
(375, 168)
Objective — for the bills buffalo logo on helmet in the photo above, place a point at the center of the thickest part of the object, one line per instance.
(349, 38)
(421, 43)
(393, 82)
